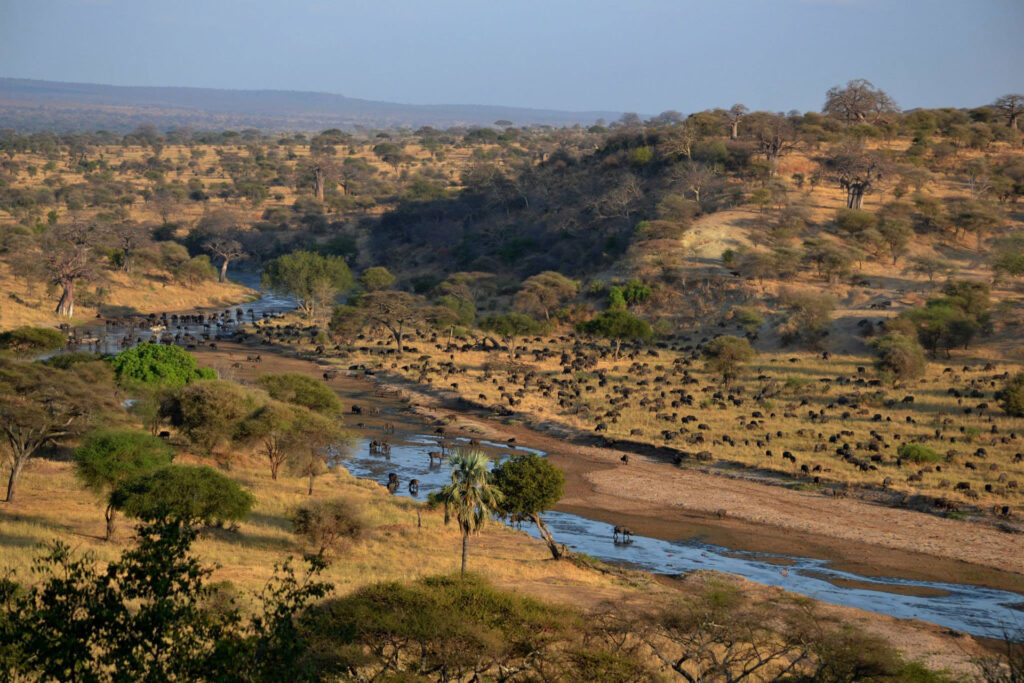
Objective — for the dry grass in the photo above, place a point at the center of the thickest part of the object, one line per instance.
(802, 382)
(53, 505)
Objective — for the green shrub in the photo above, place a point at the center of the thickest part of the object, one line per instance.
(29, 341)
(326, 524)
(917, 452)
(901, 356)
(1011, 396)
(183, 494)
(159, 364)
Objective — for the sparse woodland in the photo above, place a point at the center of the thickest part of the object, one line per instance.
(831, 302)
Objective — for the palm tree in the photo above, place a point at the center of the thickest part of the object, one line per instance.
(470, 498)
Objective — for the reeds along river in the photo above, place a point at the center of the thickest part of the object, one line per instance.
(972, 609)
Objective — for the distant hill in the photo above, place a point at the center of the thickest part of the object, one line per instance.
(30, 105)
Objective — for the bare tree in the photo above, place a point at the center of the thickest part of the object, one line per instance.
(216, 234)
(129, 237)
(856, 102)
(775, 135)
(1012, 107)
(857, 170)
(69, 258)
(227, 250)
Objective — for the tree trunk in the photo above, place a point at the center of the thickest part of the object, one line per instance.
(66, 305)
(735, 133)
(224, 271)
(109, 515)
(318, 183)
(311, 475)
(465, 545)
(855, 197)
(557, 551)
(273, 470)
(12, 483)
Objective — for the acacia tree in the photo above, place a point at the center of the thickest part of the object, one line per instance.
(313, 280)
(530, 485)
(858, 101)
(726, 354)
(618, 325)
(510, 326)
(1011, 107)
(542, 293)
(394, 310)
(41, 404)
(273, 427)
(108, 457)
(321, 442)
(857, 170)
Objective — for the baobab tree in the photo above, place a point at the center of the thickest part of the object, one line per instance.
(734, 116)
(858, 101)
(1010, 106)
(69, 258)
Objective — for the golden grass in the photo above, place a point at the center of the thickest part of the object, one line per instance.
(28, 303)
(53, 505)
(797, 381)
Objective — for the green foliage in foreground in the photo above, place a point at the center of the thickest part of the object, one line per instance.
(29, 341)
(150, 616)
(165, 365)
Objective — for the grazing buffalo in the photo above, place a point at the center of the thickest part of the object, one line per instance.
(392, 482)
(414, 486)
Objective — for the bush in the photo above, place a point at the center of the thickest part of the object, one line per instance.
(30, 341)
(726, 354)
(901, 356)
(326, 524)
(63, 361)
(1011, 396)
(301, 390)
(158, 364)
(916, 452)
(809, 316)
(208, 413)
(182, 494)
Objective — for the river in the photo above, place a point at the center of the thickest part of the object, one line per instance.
(972, 609)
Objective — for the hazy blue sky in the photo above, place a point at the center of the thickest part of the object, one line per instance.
(632, 55)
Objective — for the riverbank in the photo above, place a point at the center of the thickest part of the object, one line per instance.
(123, 294)
(412, 412)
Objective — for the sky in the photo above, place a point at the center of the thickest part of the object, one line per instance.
(645, 56)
